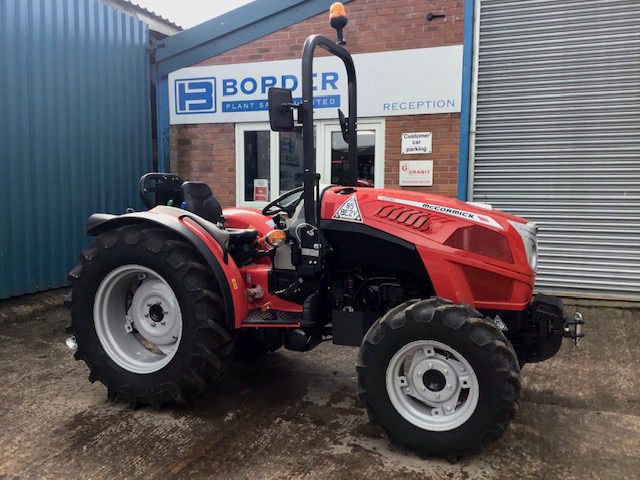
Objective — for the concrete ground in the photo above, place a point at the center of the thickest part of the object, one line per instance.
(295, 415)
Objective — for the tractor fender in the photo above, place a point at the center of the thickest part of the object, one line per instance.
(189, 227)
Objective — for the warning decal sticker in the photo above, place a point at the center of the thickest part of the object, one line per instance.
(349, 211)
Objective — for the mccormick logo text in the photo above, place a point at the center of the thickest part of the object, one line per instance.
(474, 217)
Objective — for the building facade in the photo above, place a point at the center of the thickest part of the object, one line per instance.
(231, 155)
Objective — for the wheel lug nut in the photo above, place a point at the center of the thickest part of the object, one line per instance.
(146, 315)
(449, 387)
(407, 390)
(448, 409)
(422, 389)
(163, 323)
(153, 325)
(437, 395)
(165, 313)
(420, 351)
(430, 365)
(419, 374)
(446, 372)
(149, 304)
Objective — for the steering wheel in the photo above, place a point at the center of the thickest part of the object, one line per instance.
(278, 205)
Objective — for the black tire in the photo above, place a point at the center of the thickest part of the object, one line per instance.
(206, 347)
(254, 345)
(481, 343)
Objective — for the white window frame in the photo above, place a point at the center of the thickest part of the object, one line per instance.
(274, 170)
(324, 131)
(324, 128)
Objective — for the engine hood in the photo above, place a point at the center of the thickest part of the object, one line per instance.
(354, 204)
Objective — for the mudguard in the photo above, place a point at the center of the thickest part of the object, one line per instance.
(209, 240)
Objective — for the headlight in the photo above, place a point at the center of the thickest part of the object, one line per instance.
(529, 234)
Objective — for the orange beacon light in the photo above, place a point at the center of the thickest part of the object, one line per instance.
(338, 19)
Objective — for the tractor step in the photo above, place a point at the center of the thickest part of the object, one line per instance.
(272, 318)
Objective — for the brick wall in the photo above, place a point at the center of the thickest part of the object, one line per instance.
(446, 134)
(207, 151)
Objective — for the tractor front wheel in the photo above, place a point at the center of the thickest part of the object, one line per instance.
(438, 377)
(147, 316)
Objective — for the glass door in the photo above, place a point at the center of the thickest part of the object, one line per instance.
(268, 163)
(370, 154)
(256, 178)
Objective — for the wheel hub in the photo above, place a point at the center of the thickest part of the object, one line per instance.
(156, 313)
(434, 380)
(432, 385)
(141, 333)
(153, 310)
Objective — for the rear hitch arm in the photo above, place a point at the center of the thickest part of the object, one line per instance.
(573, 328)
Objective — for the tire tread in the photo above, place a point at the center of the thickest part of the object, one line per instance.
(482, 332)
(216, 344)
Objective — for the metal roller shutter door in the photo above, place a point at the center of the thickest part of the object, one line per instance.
(557, 135)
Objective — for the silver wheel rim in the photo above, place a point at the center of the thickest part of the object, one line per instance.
(137, 319)
(432, 386)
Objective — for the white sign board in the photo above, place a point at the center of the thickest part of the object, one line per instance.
(416, 143)
(416, 173)
(404, 82)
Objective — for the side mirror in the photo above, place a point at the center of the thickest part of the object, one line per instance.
(281, 109)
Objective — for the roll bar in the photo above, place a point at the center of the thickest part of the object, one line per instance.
(310, 177)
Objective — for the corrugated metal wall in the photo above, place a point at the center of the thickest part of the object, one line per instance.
(75, 131)
(557, 135)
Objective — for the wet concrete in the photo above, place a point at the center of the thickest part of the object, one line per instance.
(295, 415)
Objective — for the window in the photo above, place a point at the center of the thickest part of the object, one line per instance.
(290, 146)
(271, 163)
(257, 164)
(268, 163)
(366, 157)
(333, 153)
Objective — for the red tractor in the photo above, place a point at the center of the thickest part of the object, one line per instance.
(436, 292)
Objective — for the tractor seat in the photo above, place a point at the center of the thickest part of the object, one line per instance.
(200, 200)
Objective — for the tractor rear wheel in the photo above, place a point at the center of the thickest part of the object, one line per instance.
(147, 316)
(438, 377)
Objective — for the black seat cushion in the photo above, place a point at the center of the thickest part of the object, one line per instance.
(200, 201)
